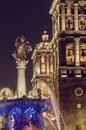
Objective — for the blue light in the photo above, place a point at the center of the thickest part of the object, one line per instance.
(25, 111)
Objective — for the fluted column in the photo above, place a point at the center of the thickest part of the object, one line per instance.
(77, 52)
(63, 16)
(21, 81)
(76, 16)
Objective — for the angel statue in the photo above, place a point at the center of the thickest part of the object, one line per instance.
(22, 48)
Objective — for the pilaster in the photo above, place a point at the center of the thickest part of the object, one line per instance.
(76, 16)
(77, 52)
(47, 64)
(38, 65)
(63, 16)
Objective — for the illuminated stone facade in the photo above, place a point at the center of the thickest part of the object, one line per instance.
(61, 64)
(42, 66)
(69, 44)
(43, 75)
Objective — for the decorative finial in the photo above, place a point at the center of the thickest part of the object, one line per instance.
(45, 36)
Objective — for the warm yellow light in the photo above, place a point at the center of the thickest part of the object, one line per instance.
(69, 54)
(42, 59)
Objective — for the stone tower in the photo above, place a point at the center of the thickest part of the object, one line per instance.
(43, 75)
(69, 45)
(42, 67)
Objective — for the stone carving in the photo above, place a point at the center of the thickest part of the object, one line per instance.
(22, 48)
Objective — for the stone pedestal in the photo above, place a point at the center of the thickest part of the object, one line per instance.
(21, 81)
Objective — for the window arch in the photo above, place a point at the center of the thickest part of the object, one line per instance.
(70, 54)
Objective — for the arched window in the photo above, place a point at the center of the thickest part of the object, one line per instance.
(36, 65)
(70, 54)
(43, 64)
(83, 54)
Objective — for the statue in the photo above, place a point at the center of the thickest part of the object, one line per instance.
(22, 48)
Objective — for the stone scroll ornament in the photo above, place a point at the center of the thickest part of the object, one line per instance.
(22, 48)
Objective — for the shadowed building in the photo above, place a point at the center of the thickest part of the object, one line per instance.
(69, 44)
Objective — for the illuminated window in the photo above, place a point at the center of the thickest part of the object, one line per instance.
(83, 54)
(43, 68)
(37, 65)
(43, 64)
(42, 59)
(51, 64)
(68, 10)
(70, 54)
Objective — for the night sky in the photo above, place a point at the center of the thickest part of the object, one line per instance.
(20, 17)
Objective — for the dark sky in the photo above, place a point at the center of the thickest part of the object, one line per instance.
(20, 17)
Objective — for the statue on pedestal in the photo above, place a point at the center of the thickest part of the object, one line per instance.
(22, 48)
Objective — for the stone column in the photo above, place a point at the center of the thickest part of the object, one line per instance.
(63, 16)
(21, 82)
(22, 48)
(77, 52)
(53, 25)
(76, 16)
(38, 65)
(48, 65)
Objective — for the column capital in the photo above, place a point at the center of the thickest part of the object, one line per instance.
(63, 4)
(75, 4)
(77, 39)
(21, 64)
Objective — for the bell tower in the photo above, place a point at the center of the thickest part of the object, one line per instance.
(42, 67)
(69, 45)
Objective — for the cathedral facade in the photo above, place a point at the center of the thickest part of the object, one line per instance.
(59, 66)
(61, 63)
